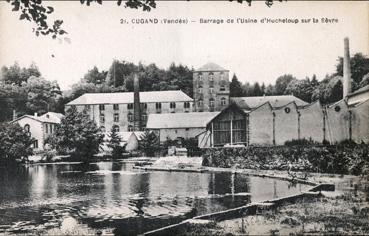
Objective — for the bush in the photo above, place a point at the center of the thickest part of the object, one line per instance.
(327, 159)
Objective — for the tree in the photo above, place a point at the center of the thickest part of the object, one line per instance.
(17, 75)
(41, 94)
(37, 13)
(15, 143)
(302, 89)
(270, 90)
(114, 144)
(78, 134)
(329, 90)
(364, 81)
(282, 82)
(257, 90)
(359, 65)
(235, 87)
(149, 143)
(94, 76)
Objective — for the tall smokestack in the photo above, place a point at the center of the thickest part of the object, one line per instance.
(346, 69)
(136, 104)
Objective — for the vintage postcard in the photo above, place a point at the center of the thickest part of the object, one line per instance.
(149, 117)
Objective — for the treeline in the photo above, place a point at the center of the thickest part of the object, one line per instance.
(327, 90)
(25, 91)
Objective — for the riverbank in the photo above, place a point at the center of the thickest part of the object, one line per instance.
(341, 213)
(344, 211)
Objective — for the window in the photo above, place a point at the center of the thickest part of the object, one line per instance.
(116, 128)
(87, 107)
(211, 90)
(200, 76)
(102, 128)
(35, 143)
(211, 76)
(115, 107)
(221, 76)
(46, 128)
(222, 88)
(101, 107)
(211, 102)
(116, 117)
(200, 89)
(143, 106)
(130, 117)
(172, 105)
(144, 117)
(130, 128)
(200, 103)
(337, 108)
(130, 106)
(223, 101)
(158, 105)
(51, 128)
(187, 105)
(102, 118)
(287, 110)
(27, 127)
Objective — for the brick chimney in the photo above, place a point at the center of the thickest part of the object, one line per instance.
(136, 103)
(346, 69)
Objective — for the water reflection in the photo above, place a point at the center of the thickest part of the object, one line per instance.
(108, 194)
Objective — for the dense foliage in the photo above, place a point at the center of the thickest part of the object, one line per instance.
(115, 144)
(345, 158)
(78, 135)
(15, 143)
(149, 143)
(26, 92)
(328, 90)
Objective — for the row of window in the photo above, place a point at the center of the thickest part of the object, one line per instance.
(130, 117)
(211, 89)
(172, 105)
(117, 129)
(211, 76)
(223, 102)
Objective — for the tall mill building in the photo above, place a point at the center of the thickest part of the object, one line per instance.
(210, 88)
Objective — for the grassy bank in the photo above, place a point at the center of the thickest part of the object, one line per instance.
(337, 159)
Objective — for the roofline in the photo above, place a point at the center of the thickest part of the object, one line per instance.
(278, 108)
(309, 104)
(229, 107)
(358, 92)
(33, 118)
(333, 104)
(267, 102)
(196, 71)
(120, 103)
(202, 127)
(360, 103)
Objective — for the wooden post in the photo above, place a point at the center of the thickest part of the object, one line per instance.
(212, 134)
(231, 132)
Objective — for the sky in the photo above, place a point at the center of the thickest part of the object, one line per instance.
(253, 51)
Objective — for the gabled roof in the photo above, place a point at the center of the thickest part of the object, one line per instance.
(43, 119)
(231, 106)
(275, 101)
(127, 97)
(125, 135)
(211, 67)
(180, 120)
(52, 117)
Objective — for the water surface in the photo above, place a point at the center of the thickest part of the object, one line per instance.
(113, 195)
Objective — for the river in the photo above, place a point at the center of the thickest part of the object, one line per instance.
(113, 195)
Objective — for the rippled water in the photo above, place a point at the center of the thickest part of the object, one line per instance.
(115, 196)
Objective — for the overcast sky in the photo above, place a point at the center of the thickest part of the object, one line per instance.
(255, 52)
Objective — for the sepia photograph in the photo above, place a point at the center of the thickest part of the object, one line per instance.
(153, 117)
